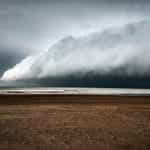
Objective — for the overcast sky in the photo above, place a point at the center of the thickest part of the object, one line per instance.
(115, 26)
(37, 24)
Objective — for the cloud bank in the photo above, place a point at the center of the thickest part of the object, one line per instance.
(119, 50)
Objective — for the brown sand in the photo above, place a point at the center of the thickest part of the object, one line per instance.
(75, 126)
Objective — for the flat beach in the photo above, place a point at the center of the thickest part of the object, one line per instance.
(58, 120)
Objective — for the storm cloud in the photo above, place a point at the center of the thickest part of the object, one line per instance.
(119, 50)
(37, 24)
(54, 38)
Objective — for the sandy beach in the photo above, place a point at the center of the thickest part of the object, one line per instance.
(74, 122)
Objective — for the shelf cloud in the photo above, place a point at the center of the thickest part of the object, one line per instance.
(121, 50)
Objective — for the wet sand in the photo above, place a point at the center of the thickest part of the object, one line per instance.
(104, 122)
(28, 99)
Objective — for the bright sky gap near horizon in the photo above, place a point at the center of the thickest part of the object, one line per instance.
(81, 43)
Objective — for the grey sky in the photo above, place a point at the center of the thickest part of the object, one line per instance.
(36, 24)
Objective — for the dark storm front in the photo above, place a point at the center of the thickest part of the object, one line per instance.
(141, 83)
(82, 43)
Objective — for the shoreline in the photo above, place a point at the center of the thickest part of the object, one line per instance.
(76, 91)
